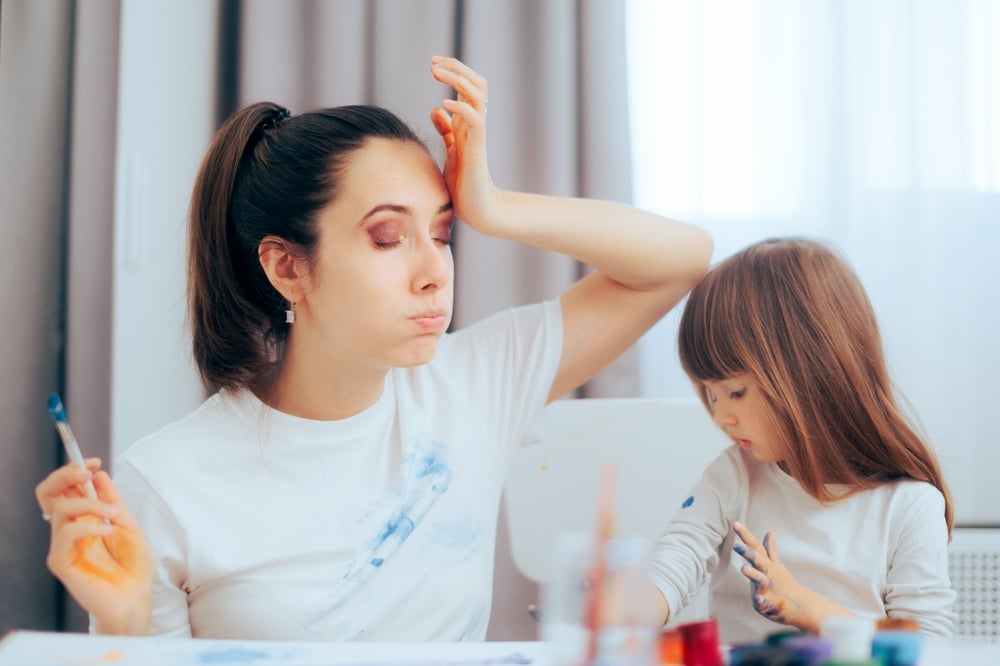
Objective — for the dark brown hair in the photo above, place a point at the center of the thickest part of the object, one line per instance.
(264, 174)
(793, 314)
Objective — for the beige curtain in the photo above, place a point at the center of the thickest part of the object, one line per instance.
(58, 68)
(558, 125)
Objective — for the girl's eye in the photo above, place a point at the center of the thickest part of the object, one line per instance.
(736, 395)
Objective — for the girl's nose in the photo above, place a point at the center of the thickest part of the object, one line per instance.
(723, 417)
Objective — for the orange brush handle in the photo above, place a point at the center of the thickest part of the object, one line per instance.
(605, 529)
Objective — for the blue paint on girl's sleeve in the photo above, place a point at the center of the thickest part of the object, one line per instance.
(377, 561)
(688, 502)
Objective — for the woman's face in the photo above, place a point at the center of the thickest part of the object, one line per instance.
(380, 291)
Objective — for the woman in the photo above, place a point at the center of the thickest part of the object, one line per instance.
(343, 480)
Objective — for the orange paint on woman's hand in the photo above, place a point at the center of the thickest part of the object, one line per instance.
(121, 559)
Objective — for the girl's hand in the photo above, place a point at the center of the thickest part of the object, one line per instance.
(97, 549)
(773, 590)
(462, 125)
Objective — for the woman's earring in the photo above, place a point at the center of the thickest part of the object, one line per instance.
(290, 313)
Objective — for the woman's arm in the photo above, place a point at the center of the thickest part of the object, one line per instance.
(644, 263)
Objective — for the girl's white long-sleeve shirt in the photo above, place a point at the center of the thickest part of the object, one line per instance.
(877, 553)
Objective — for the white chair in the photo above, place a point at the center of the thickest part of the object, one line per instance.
(974, 568)
(660, 448)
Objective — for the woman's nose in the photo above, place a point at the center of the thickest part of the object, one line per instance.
(435, 266)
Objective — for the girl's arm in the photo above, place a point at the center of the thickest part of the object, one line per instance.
(689, 550)
(917, 582)
(644, 263)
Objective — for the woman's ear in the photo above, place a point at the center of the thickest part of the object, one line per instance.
(285, 268)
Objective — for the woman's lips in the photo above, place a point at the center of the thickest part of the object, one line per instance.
(430, 320)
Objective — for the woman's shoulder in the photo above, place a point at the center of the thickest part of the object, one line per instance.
(212, 420)
(511, 321)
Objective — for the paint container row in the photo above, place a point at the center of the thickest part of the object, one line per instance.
(841, 642)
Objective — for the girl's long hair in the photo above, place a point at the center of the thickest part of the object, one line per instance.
(794, 315)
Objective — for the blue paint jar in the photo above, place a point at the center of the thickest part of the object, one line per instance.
(897, 648)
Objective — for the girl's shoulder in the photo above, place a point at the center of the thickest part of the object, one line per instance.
(733, 467)
(910, 492)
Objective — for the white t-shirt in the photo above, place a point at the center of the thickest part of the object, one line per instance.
(381, 526)
(876, 553)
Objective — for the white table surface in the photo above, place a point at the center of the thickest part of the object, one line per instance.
(30, 648)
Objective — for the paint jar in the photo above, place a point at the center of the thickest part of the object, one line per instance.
(851, 638)
(814, 650)
(671, 648)
(762, 654)
(779, 637)
(701, 643)
(897, 648)
(897, 624)
(590, 615)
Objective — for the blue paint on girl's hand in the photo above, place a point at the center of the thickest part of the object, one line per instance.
(688, 502)
(773, 612)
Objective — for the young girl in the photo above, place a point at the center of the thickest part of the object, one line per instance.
(343, 480)
(784, 349)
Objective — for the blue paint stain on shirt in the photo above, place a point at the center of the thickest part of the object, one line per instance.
(399, 526)
(424, 477)
(688, 502)
(431, 465)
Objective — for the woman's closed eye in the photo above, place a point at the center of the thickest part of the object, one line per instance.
(736, 395)
(386, 235)
(443, 235)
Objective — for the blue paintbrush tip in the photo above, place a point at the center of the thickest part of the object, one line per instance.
(56, 408)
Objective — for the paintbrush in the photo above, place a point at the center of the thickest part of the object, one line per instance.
(58, 413)
(603, 533)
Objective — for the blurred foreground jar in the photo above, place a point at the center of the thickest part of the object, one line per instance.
(589, 594)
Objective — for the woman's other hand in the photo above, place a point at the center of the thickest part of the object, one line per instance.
(97, 549)
(462, 125)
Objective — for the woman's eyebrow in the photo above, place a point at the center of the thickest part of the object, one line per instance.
(401, 209)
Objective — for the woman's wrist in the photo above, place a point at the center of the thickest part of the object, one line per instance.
(137, 621)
